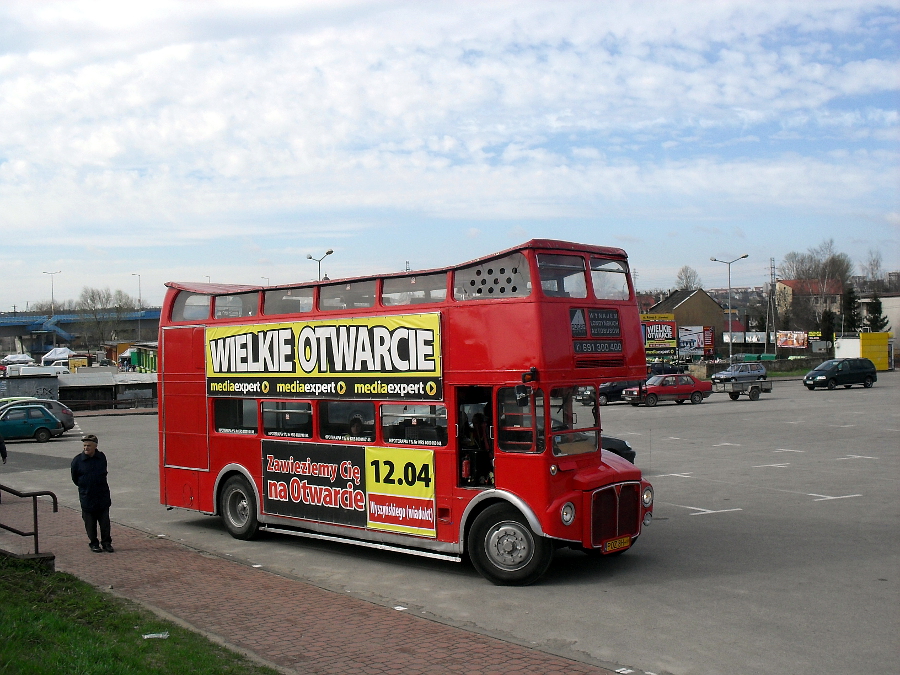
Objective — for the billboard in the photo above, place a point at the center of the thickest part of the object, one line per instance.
(696, 341)
(660, 335)
(386, 357)
(791, 339)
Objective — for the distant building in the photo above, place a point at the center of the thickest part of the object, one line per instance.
(821, 298)
(693, 308)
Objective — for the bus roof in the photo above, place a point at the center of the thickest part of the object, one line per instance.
(546, 244)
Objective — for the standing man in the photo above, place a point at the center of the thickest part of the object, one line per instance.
(89, 474)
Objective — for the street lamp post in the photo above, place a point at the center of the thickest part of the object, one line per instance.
(140, 303)
(730, 334)
(319, 260)
(267, 280)
(52, 301)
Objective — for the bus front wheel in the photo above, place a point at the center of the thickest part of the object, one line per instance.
(238, 508)
(504, 550)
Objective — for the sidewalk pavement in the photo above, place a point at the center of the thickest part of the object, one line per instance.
(282, 622)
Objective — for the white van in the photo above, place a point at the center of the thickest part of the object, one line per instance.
(36, 371)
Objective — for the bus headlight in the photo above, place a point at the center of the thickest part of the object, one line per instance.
(567, 513)
(647, 497)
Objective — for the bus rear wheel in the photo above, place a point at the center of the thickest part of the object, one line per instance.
(504, 550)
(238, 508)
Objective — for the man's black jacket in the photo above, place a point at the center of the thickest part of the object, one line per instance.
(89, 474)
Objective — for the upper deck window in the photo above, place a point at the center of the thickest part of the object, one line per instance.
(506, 277)
(353, 295)
(288, 301)
(234, 306)
(190, 307)
(413, 290)
(610, 279)
(562, 276)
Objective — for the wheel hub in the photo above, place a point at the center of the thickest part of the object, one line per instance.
(509, 546)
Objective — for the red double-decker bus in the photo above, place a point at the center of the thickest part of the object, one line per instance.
(434, 413)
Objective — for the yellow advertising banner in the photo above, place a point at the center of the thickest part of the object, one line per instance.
(385, 357)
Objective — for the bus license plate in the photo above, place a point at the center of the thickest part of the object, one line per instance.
(617, 544)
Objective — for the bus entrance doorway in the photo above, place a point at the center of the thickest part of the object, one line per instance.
(475, 437)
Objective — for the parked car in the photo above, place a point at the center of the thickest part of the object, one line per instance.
(60, 410)
(741, 372)
(618, 446)
(612, 391)
(678, 388)
(844, 372)
(29, 421)
(661, 368)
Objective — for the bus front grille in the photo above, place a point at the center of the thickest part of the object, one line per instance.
(615, 512)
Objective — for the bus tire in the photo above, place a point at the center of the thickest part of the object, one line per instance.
(238, 508)
(651, 400)
(696, 398)
(42, 435)
(504, 550)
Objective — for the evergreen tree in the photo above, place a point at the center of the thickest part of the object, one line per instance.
(876, 321)
(827, 325)
(851, 316)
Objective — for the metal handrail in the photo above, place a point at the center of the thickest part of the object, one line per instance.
(34, 496)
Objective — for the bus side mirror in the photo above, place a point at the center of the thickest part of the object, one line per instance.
(523, 394)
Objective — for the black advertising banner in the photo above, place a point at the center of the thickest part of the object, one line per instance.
(315, 481)
(604, 322)
(577, 322)
(390, 357)
(598, 346)
(390, 489)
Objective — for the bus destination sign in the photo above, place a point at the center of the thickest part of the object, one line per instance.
(388, 357)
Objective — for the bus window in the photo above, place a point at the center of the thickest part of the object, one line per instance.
(288, 301)
(610, 279)
(347, 296)
(573, 426)
(414, 424)
(233, 306)
(414, 290)
(347, 421)
(562, 276)
(506, 277)
(190, 307)
(287, 418)
(519, 427)
(235, 415)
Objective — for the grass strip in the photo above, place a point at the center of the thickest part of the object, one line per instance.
(52, 622)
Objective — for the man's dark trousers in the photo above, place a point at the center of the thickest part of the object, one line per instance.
(94, 518)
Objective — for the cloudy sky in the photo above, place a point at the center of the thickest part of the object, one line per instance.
(180, 140)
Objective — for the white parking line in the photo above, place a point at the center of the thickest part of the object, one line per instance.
(841, 426)
(719, 445)
(786, 450)
(777, 466)
(825, 498)
(703, 512)
(679, 475)
(854, 457)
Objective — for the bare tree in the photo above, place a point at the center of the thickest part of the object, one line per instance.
(688, 279)
(872, 268)
(822, 264)
(104, 313)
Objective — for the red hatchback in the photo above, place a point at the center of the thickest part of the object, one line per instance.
(678, 388)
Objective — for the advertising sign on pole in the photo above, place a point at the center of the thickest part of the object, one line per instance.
(660, 335)
(791, 339)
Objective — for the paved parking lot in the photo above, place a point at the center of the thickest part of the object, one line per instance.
(774, 548)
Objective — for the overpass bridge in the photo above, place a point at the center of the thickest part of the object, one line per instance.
(68, 327)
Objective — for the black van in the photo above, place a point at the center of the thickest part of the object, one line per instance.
(844, 372)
